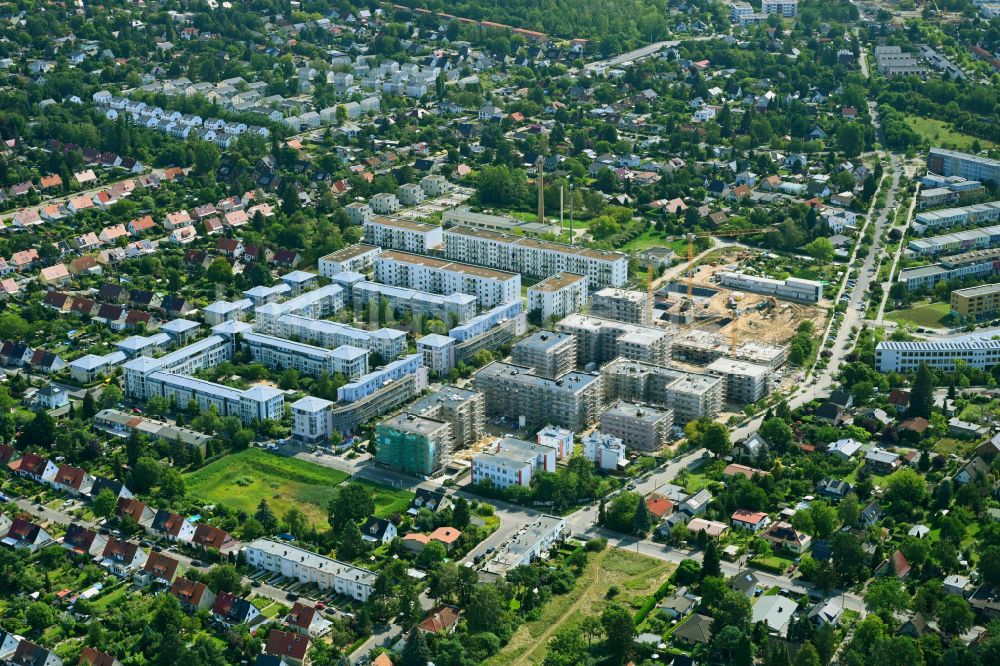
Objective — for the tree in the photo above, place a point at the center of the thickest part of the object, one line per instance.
(39, 616)
(641, 520)
(824, 518)
(821, 250)
(711, 563)
(954, 615)
(922, 393)
(219, 271)
(206, 158)
(39, 432)
(171, 484)
(432, 555)
(104, 504)
(851, 139)
(807, 656)
(460, 513)
(296, 521)
(224, 578)
(776, 432)
(906, 489)
(989, 565)
(145, 474)
(353, 503)
(849, 510)
(265, 516)
(111, 395)
(619, 631)
(885, 597)
(352, 544)
(500, 185)
(416, 652)
(486, 609)
(89, 408)
(714, 436)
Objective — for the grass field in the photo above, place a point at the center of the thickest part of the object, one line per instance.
(241, 480)
(636, 576)
(938, 132)
(653, 238)
(927, 314)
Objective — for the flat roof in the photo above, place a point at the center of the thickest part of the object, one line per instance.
(414, 424)
(571, 382)
(444, 265)
(981, 290)
(351, 251)
(400, 223)
(602, 255)
(637, 412)
(307, 558)
(966, 156)
(543, 340)
(730, 366)
(451, 395)
(622, 294)
(557, 282)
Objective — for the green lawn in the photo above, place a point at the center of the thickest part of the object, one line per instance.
(927, 314)
(938, 132)
(653, 238)
(241, 480)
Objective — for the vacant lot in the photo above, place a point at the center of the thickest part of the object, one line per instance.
(927, 314)
(241, 480)
(937, 133)
(636, 576)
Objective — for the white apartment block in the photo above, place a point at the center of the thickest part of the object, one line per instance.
(625, 305)
(258, 403)
(359, 213)
(389, 343)
(312, 419)
(410, 194)
(282, 354)
(384, 203)
(601, 340)
(490, 287)
(368, 384)
(792, 289)
(512, 462)
(203, 354)
(438, 352)
(222, 311)
(980, 353)
(529, 543)
(315, 304)
(405, 235)
(559, 295)
(434, 185)
(308, 567)
(533, 257)
(560, 439)
(784, 8)
(605, 451)
(745, 382)
(358, 258)
(454, 308)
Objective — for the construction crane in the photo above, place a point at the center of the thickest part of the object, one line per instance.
(690, 267)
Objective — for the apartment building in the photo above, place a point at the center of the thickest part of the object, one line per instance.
(368, 384)
(963, 216)
(601, 340)
(315, 304)
(745, 382)
(572, 401)
(690, 395)
(201, 355)
(548, 354)
(783, 8)
(453, 308)
(980, 353)
(413, 444)
(283, 354)
(261, 295)
(704, 347)
(359, 213)
(533, 257)
(511, 462)
(435, 185)
(397, 234)
(308, 567)
(312, 420)
(955, 163)
(605, 451)
(558, 295)
(529, 543)
(438, 352)
(976, 303)
(559, 438)
(384, 203)
(410, 194)
(349, 416)
(791, 289)
(974, 264)
(625, 305)
(960, 241)
(464, 410)
(389, 343)
(257, 403)
(638, 426)
(490, 287)
(357, 258)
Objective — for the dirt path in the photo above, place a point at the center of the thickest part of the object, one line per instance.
(544, 638)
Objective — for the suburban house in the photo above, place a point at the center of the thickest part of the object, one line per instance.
(378, 530)
(122, 558)
(158, 569)
(308, 621)
(27, 536)
(783, 535)
(753, 521)
(231, 610)
(192, 596)
(288, 646)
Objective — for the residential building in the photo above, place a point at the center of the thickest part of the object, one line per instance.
(357, 258)
(625, 305)
(490, 287)
(464, 410)
(572, 401)
(359, 213)
(312, 420)
(533, 257)
(316, 304)
(291, 648)
(882, 462)
(753, 521)
(384, 203)
(976, 303)
(512, 462)
(454, 308)
(690, 395)
(559, 438)
(980, 353)
(547, 353)
(984, 238)
(368, 384)
(605, 451)
(965, 216)
(413, 444)
(193, 596)
(746, 382)
(388, 343)
(398, 234)
(438, 352)
(638, 426)
(308, 567)
(971, 167)
(775, 611)
(783, 8)
(601, 340)
(558, 295)
(792, 289)
(531, 542)
(283, 354)
(782, 535)
(307, 620)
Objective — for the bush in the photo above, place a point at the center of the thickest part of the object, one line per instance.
(597, 544)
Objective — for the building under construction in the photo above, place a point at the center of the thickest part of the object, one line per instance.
(703, 347)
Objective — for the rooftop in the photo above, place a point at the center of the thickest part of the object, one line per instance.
(556, 282)
(443, 265)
